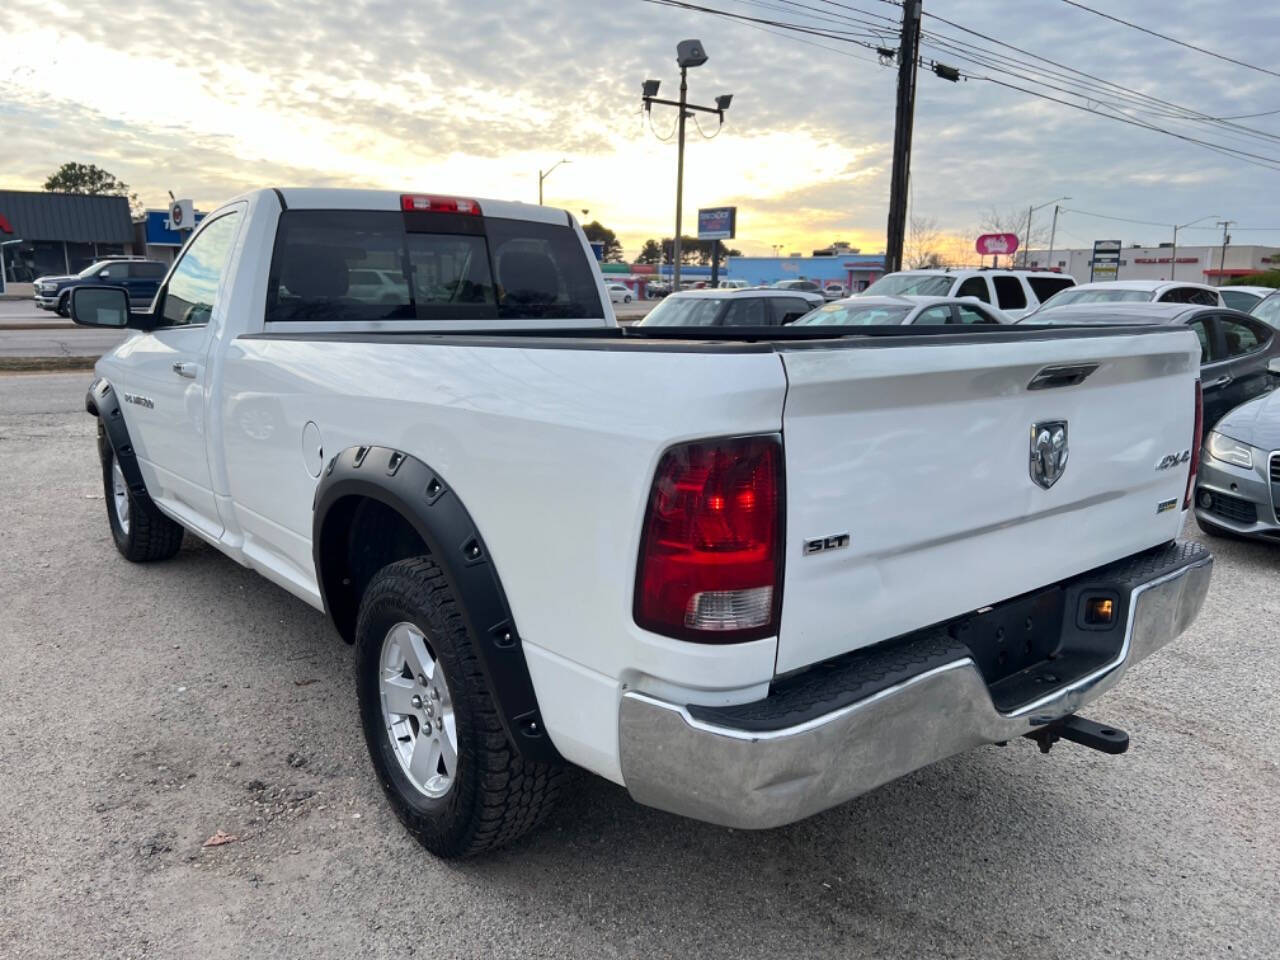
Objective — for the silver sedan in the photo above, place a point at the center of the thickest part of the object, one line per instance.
(1238, 483)
(867, 311)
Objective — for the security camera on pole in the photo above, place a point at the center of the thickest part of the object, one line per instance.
(689, 53)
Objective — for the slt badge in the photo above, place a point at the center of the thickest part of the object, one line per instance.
(1048, 451)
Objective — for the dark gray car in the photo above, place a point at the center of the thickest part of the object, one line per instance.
(1238, 484)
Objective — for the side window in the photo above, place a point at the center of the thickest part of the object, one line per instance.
(746, 312)
(786, 309)
(1208, 352)
(1238, 338)
(933, 316)
(973, 314)
(1205, 298)
(1009, 293)
(193, 287)
(1268, 311)
(975, 287)
(149, 271)
(113, 271)
(1046, 286)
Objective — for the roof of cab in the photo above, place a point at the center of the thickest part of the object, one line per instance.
(323, 198)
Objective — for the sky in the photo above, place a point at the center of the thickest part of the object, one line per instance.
(209, 98)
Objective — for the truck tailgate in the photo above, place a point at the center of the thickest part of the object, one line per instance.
(919, 450)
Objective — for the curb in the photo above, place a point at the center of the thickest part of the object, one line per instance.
(45, 364)
(38, 325)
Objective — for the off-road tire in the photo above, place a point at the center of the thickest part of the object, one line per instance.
(495, 796)
(151, 535)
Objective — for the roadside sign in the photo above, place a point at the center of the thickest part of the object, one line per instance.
(995, 244)
(717, 223)
(1105, 263)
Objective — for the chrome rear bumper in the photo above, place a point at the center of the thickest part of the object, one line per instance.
(753, 779)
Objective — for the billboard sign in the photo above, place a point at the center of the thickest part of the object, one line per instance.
(1105, 263)
(717, 223)
(995, 244)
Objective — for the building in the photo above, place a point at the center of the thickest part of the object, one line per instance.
(855, 270)
(153, 238)
(1203, 264)
(60, 233)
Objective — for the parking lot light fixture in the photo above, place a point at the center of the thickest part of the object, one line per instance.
(542, 175)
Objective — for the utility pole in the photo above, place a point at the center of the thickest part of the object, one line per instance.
(1226, 239)
(904, 117)
(1173, 259)
(689, 53)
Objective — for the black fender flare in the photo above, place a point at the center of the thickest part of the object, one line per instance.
(422, 498)
(103, 402)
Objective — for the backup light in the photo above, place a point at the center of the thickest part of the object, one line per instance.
(710, 566)
(1099, 611)
(422, 203)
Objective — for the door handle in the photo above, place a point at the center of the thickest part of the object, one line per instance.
(188, 370)
(1220, 382)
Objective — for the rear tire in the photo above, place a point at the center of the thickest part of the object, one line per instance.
(472, 792)
(141, 532)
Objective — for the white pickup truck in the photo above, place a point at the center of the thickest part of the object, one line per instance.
(747, 573)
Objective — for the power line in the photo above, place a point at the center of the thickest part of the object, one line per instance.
(1107, 216)
(1165, 36)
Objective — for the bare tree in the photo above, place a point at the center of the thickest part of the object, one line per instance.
(924, 241)
(1014, 221)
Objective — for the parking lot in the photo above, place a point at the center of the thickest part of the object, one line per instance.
(144, 709)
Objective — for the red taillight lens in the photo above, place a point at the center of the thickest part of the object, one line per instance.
(1195, 448)
(420, 203)
(710, 555)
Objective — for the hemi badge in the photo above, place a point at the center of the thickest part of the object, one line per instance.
(1166, 505)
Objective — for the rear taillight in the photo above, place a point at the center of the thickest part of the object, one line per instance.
(421, 203)
(710, 553)
(1195, 448)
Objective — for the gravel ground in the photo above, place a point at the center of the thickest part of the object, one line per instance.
(143, 709)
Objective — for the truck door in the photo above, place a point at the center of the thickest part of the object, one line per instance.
(166, 372)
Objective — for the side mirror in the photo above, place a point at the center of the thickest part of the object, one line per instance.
(103, 274)
(100, 306)
(1273, 366)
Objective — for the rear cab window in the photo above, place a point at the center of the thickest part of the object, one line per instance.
(361, 265)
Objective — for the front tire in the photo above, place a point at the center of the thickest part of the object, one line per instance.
(433, 731)
(626, 299)
(141, 532)
(64, 305)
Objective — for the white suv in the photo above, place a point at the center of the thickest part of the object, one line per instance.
(1015, 292)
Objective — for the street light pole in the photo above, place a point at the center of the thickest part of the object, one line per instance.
(543, 176)
(1173, 259)
(689, 53)
(1026, 252)
(675, 247)
(1053, 234)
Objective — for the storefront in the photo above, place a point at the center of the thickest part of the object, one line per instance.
(153, 238)
(60, 233)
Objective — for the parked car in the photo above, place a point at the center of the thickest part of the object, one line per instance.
(1135, 291)
(377, 286)
(767, 307)
(618, 292)
(657, 289)
(747, 574)
(834, 291)
(1015, 292)
(804, 286)
(733, 285)
(139, 278)
(1236, 349)
(1240, 471)
(876, 311)
(1268, 309)
(1244, 298)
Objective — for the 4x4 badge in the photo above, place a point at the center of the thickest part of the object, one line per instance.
(1048, 451)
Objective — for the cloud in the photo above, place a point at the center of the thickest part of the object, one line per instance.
(210, 98)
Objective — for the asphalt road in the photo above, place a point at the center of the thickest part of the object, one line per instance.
(143, 709)
(53, 337)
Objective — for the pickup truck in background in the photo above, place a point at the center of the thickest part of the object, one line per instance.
(748, 573)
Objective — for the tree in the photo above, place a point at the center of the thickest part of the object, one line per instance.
(923, 242)
(1015, 221)
(697, 252)
(598, 233)
(651, 252)
(89, 178)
